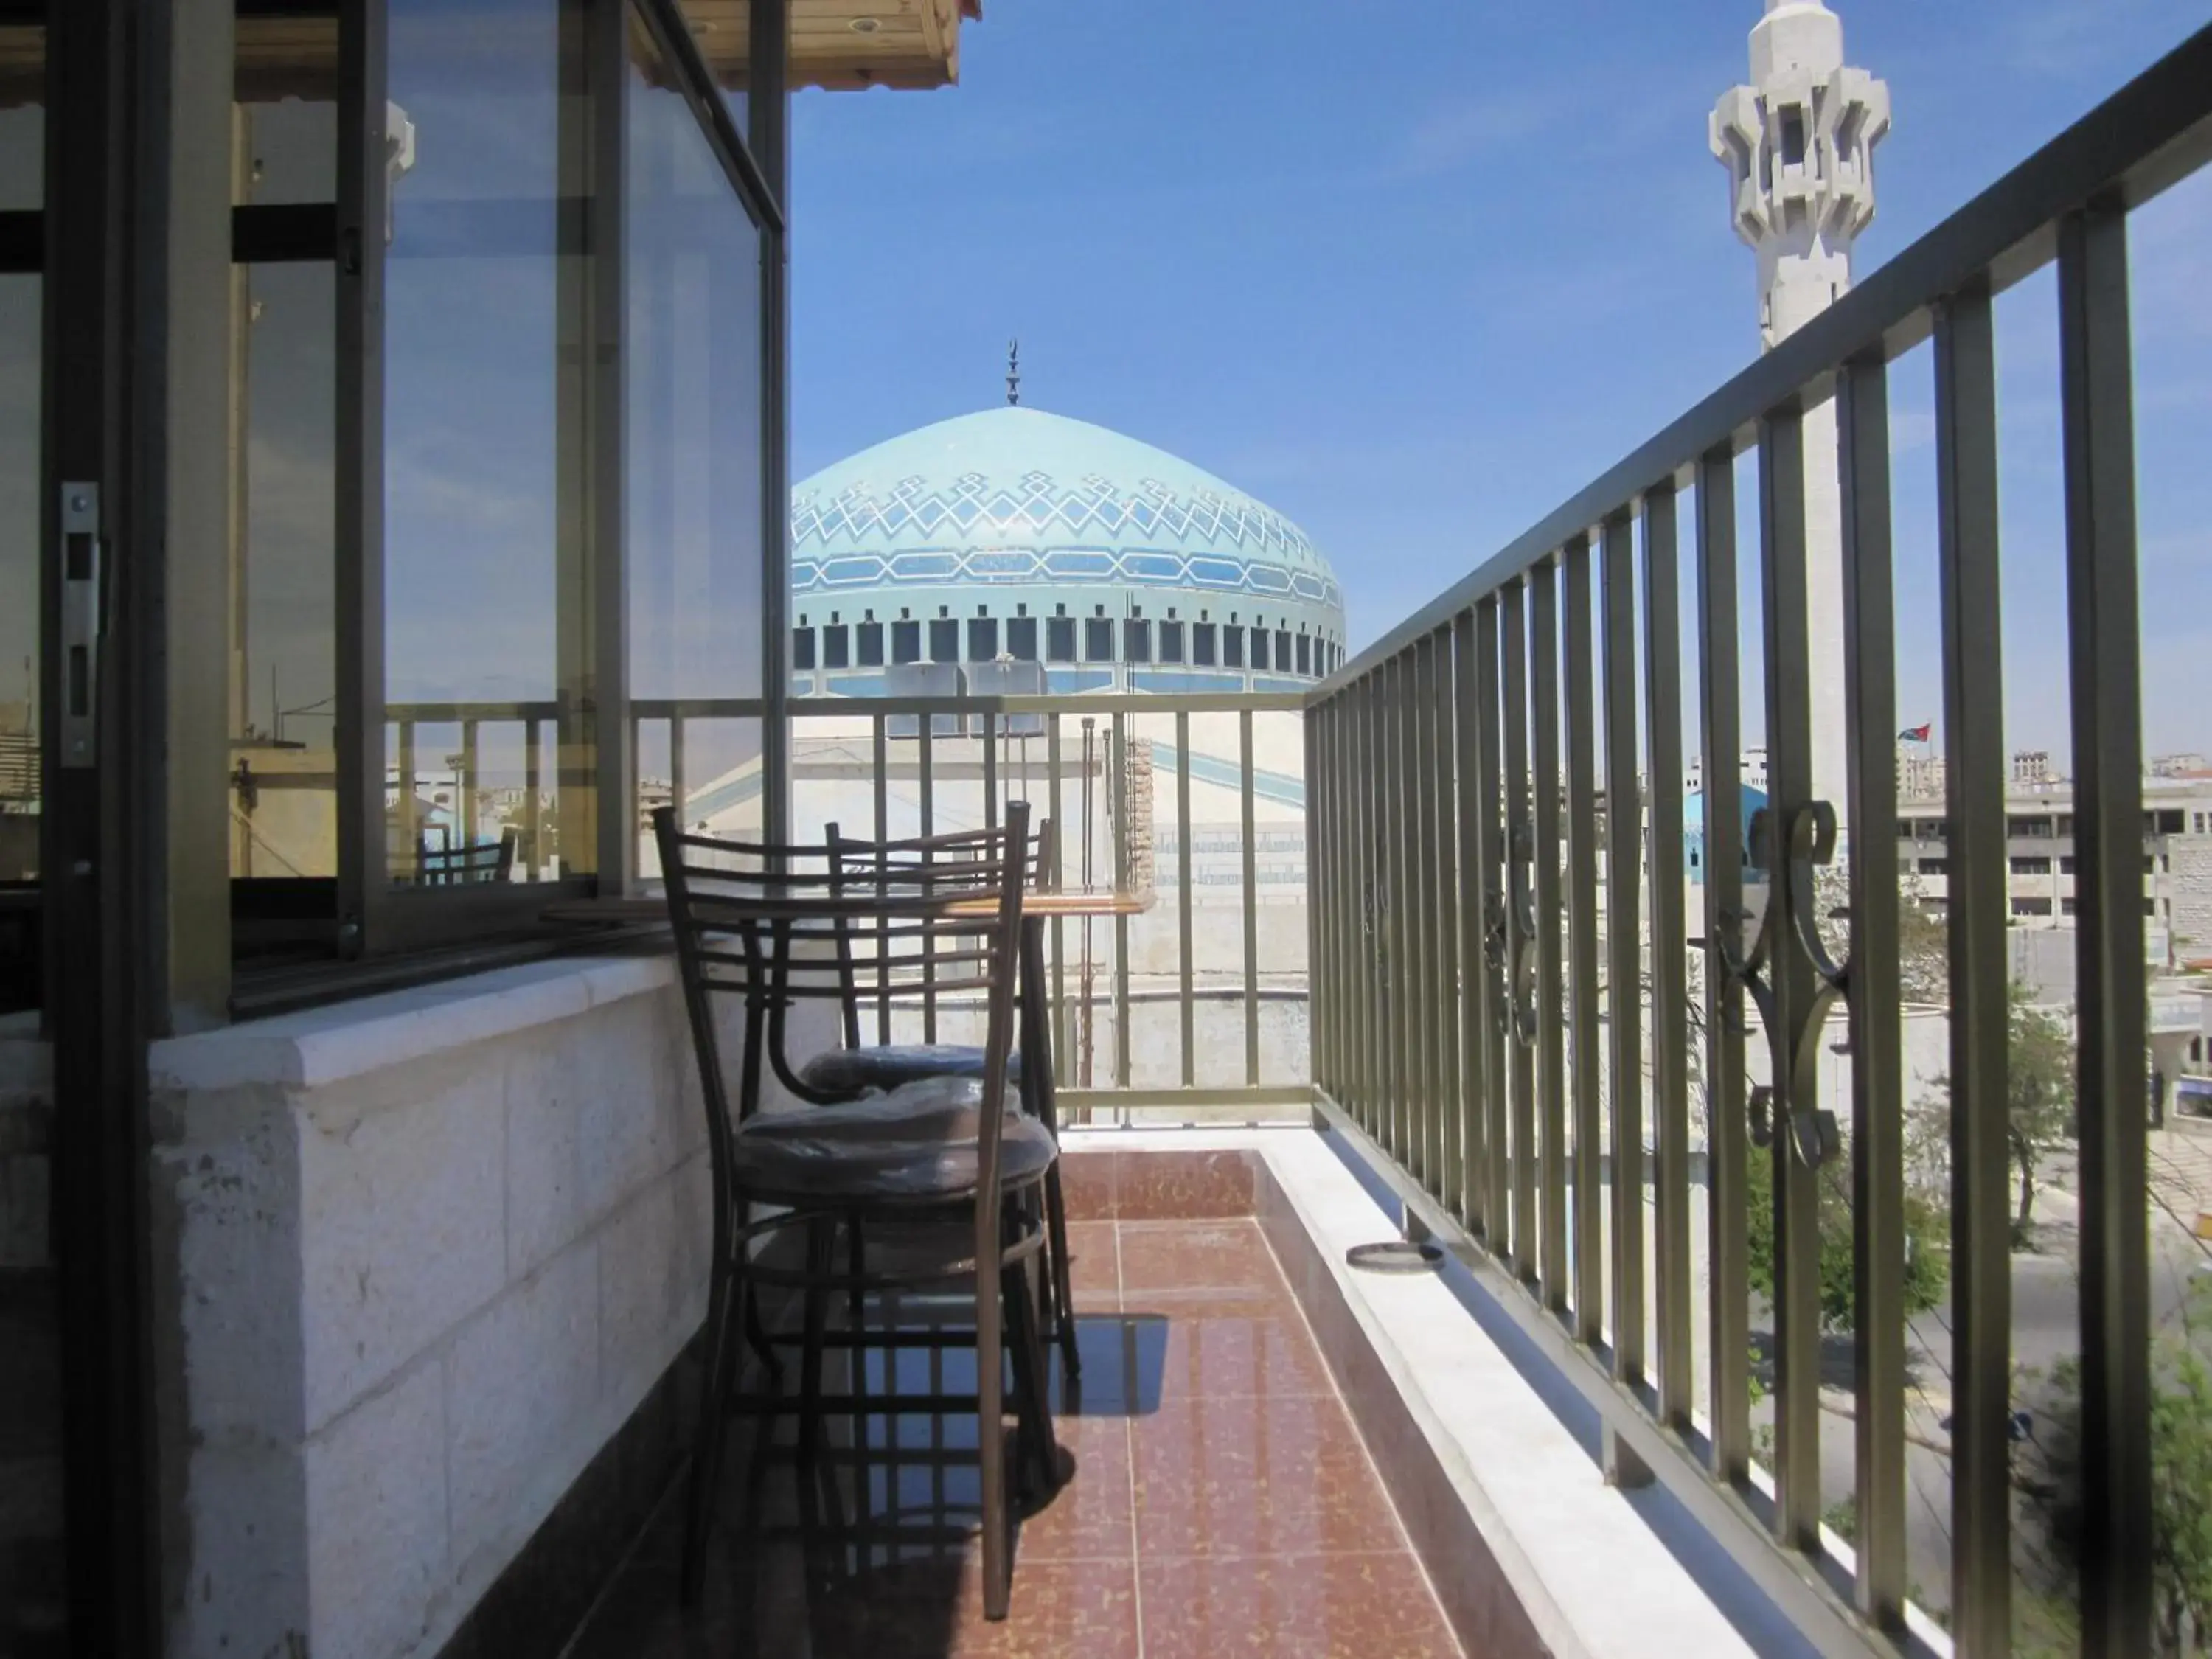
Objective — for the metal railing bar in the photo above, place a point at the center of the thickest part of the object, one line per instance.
(1320, 894)
(2103, 612)
(1624, 999)
(1670, 1008)
(990, 771)
(925, 754)
(1473, 1182)
(1582, 943)
(1519, 849)
(1423, 993)
(1490, 870)
(1246, 773)
(533, 786)
(1876, 1037)
(1981, 1266)
(1063, 1012)
(1188, 1033)
(1551, 1010)
(1118, 747)
(1726, 1134)
(1450, 1165)
(2153, 132)
(1402, 973)
(1786, 646)
(677, 793)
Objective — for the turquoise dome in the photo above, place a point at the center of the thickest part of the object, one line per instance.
(1016, 497)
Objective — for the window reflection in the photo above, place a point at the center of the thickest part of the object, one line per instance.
(487, 558)
(22, 169)
(692, 397)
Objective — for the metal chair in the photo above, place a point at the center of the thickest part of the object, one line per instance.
(847, 1073)
(465, 865)
(943, 1172)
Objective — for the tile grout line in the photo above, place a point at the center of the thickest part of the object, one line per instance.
(1129, 1445)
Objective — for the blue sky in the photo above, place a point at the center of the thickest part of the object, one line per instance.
(1414, 272)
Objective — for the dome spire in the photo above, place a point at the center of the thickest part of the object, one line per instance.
(1013, 373)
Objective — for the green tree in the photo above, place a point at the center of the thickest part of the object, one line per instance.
(1925, 1270)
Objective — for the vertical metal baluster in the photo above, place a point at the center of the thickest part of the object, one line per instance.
(1519, 835)
(1246, 778)
(466, 806)
(1789, 779)
(879, 739)
(1670, 1008)
(677, 792)
(2102, 612)
(1449, 1185)
(1189, 1033)
(1624, 997)
(1318, 896)
(1391, 761)
(1475, 972)
(1582, 948)
(1727, 1142)
(1496, 1020)
(1981, 1218)
(1876, 1037)
(1551, 1011)
(533, 784)
(1420, 992)
(1063, 1015)
(411, 821)
(990, 771)
(1382, 966)
(925, 757)
(1118, 748)
(1367, 970)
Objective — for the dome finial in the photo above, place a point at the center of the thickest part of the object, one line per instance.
(1013, 373)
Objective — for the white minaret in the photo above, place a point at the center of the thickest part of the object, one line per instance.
(1798, 143)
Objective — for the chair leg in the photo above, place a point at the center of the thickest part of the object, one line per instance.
(756, 1333)
(1032, 1403)
(707, 1441)
(856, 1363)
(1056, 1267)
(990, 1440)
(821, 1257)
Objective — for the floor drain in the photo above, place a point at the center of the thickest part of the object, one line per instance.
(1396, 1255)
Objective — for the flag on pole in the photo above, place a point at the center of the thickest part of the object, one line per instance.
(1916, 733)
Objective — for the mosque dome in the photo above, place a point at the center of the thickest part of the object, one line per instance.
(1018, 534)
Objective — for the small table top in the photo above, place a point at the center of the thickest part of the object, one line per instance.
(1038, 906)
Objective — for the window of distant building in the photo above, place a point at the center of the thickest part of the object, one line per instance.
(944, 640)
(837, 646)
(1060, 639)
(1282, 651)
(983, 639)
(2031, 867)
(1202, 645)
(802, 649)
(871, 642)
(1259, 648)
(1306, 654)
(1136, 640)
(2030, 907)
(906, 641)
(1021, 639)
(1171, 641)
(1098, 639)
(1935, 867)
(1232, 647)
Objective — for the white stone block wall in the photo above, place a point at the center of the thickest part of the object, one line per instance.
(421, 1257)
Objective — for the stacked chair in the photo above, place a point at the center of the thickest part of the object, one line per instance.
(935, 1184)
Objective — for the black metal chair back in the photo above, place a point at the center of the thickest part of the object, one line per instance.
(458, 866)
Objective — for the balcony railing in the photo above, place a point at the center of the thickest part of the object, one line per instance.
(1477, 925)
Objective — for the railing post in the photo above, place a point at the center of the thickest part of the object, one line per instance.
(1581, 949)
(1670, 1008)
(1446, 1182)
(1187, 1032)
(1551, 1010)
(1246, 780)
(1519, 850)
(2103, 631)
(1877, 1043)
(1981, 1219)
(1473, 1003)
(1728, 1150)
(1428, 1010)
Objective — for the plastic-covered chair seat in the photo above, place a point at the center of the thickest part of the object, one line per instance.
(852, 1071)
(918, 1142)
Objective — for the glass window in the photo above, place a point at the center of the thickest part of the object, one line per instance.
(871, 644)
(1282, 651)
(1232, 646)
(983, 639)
(2030, 907)
(837, 646)
(1306, 654)
(1202, 644)
(1060, 639)
(1021, 638)
(1260, 648)
(1170, 642)
(944, 640)
(1097, 640)
(694, 484)
(905, 643)
(802, 649)
(487, 561)
(1137, 640)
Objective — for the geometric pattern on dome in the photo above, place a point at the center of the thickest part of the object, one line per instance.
(1139, 566)
(1093, 507)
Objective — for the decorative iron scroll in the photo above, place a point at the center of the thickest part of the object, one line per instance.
(1790, 923)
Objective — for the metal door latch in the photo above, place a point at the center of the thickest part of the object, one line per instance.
(82, 625)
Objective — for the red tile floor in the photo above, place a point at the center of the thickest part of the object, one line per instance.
(1221, 1502)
